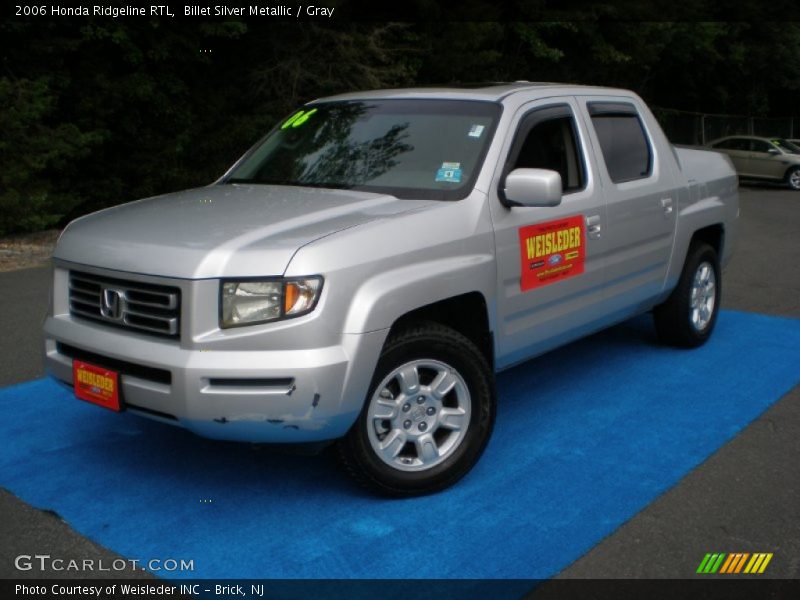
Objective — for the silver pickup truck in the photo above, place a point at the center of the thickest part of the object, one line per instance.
(362, 273)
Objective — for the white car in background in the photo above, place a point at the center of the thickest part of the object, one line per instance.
(762, 158)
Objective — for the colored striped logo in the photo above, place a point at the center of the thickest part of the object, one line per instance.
(736, 562)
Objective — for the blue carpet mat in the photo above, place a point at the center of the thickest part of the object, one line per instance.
(586, 437)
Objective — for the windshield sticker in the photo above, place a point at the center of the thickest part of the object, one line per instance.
(298, 118)
(450, 172)
(475, 131)
(551, 251)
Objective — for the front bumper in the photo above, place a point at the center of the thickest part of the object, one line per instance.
(303, 395)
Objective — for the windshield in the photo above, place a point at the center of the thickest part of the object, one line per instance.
(786, 146)
(428, 149)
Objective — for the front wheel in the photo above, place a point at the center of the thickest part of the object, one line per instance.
(793, 178)
(427, 417)
(688, 316)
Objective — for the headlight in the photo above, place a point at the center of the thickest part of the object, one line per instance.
(260, 301)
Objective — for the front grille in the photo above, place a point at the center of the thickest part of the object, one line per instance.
(146, 307)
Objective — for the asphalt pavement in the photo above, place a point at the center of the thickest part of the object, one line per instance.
(744, 498)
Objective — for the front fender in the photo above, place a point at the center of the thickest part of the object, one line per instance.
(387, 296)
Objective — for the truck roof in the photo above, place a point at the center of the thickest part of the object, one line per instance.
(495, 91)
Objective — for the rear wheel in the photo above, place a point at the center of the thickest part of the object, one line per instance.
(427, 417)
(688, 316)
(793, 178)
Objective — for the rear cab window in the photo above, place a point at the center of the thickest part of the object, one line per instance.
(624, 144)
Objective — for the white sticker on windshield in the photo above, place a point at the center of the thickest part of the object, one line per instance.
(450, 172)
(476, 131)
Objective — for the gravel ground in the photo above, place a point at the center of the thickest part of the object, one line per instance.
(25, 250)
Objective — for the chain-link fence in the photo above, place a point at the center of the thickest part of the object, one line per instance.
(698, 129)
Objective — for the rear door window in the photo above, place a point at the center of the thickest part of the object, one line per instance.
(732, 144)
(742, 144)
(623, 141)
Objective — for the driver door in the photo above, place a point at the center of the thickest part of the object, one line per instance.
(550, 269)
(765, 160)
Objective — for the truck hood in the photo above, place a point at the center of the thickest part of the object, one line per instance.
(220, 230)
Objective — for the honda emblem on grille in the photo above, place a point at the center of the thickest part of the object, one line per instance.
(111, 304)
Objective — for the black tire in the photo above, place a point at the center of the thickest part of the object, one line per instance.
(416, 343)
(793, 178)
(674, 318)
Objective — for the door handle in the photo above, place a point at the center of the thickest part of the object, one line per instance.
(593, 227)
(666, 204)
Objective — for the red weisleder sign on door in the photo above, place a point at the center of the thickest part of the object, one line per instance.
(551, 251)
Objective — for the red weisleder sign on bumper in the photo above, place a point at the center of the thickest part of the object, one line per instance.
(96, 385)
(551, 251)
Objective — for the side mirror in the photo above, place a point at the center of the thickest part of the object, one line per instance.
(533, 187)
(773, 151)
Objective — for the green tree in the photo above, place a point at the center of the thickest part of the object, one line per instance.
(99, 111)
(32, 148)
